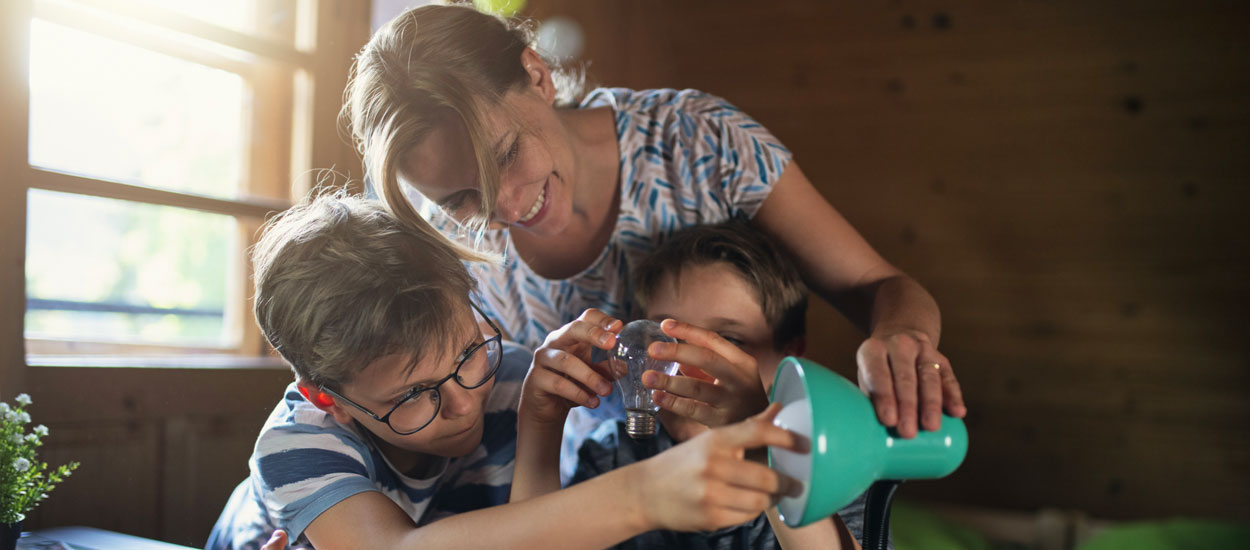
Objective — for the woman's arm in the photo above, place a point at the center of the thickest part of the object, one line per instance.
(901, 319)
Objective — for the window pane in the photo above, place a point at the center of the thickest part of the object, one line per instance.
(113, 111)
(272, 19)
(117, 271)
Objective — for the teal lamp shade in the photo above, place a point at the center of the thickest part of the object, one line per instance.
(850, 449)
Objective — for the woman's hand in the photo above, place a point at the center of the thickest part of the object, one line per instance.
(903, 373)
(706, 483)
(561, 377)
(735, 394)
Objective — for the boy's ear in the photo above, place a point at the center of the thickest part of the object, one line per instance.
(323, 401)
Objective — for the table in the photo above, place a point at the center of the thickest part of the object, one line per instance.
(89, 538)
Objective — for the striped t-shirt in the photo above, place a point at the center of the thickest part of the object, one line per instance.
(305, 462)
(687, 158)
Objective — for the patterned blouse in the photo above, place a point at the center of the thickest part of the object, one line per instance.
(687, 158)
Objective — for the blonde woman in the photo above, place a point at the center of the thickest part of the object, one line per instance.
(453, 106)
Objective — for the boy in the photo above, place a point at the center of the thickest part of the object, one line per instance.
(401, 428)
(750, 303)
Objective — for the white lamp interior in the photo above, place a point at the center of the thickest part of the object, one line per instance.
(796, 416)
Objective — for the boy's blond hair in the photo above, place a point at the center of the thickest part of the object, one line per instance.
(340, 283)
(778, 287)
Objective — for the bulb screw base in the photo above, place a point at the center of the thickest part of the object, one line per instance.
(640, 424)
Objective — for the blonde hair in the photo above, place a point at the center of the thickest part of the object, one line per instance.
(340, 283)
(430, 66)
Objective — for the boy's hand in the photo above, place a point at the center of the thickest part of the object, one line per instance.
(737, 392)
(706, 483)
(904, 374)
(277, 541)
(561, 377)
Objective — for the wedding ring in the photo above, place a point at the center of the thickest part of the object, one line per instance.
(937, 366)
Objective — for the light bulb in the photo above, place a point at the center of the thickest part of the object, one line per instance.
(627, 362)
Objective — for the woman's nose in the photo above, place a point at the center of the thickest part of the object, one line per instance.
(508, 207)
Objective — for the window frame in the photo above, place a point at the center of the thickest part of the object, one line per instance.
(295, 79)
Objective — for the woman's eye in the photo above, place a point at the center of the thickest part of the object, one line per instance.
(460, 201)
(510, 155)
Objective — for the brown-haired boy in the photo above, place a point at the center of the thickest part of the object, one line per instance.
(738, 305)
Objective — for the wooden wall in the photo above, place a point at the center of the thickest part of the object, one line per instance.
(160, 449)
(1068, 178)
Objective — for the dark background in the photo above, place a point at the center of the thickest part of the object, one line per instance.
(1069, 180)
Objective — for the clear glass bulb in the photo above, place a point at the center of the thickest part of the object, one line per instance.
(627, 362)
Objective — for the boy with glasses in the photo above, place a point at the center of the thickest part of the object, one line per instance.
(401, 430)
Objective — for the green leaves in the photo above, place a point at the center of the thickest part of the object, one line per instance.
(24, 480)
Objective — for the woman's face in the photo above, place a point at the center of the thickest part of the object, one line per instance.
(530, 147)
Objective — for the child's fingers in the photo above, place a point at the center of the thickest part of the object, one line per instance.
(572, 368)
(700, 357)
(608, 323)
(277, 541)
(684, 386)
(737, 499)
(759, 431)
(702, 337)
(695, 410)
(752, 476)
(582, 331)
(551, 382)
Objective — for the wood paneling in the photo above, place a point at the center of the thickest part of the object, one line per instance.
(160, 449)
(1067, 178)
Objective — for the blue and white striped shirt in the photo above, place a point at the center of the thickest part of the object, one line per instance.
(305, 462)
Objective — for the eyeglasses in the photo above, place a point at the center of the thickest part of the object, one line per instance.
(417, 408)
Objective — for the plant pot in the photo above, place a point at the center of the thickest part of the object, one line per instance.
(9, 533)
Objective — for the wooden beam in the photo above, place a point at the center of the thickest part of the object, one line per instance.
(340, 29)
(156, 16)
(248, 207)
(145, 37)
(14, 105)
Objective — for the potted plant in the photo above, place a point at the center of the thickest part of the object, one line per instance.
(24, 480)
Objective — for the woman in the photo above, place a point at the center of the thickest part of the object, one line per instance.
(453, 106)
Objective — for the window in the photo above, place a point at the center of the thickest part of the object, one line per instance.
(159, 136)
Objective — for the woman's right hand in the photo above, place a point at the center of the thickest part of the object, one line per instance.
(707, 482)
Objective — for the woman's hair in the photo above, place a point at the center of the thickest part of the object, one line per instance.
(770, 273)
(341, 283)
(430, 66)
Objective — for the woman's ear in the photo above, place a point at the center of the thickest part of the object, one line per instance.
(539, 74)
